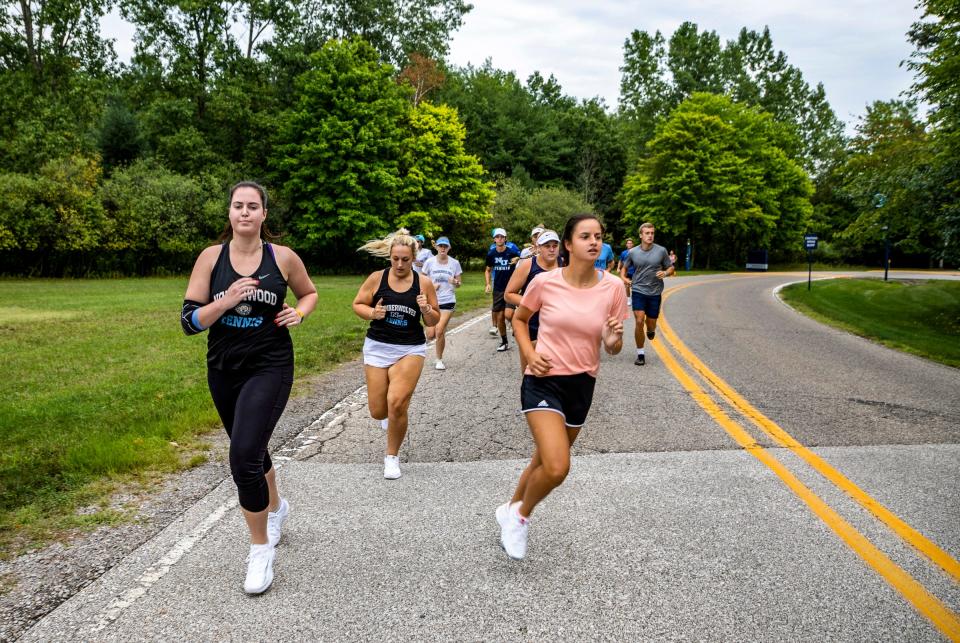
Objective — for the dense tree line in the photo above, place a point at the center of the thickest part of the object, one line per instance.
(347, 111)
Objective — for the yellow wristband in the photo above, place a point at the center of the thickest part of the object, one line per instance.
(297, 310)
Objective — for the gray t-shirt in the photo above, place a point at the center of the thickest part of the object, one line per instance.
(647, 263)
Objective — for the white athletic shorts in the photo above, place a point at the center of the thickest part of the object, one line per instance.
(382, 355)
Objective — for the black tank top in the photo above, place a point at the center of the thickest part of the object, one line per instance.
(535, 269)
(246, 336)
(402, 323)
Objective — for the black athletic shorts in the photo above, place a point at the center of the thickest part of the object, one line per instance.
(449, 306)
(568, 395)
(649, 304)
(499, 303)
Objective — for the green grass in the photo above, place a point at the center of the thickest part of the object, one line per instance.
(919, 317)
(104, 389)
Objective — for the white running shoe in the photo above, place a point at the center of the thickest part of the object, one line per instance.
(275, 520)
(513, 534)
(259, 569)
(391, 467)
(493, 331)
(440, 366)
(384, 424)
(503, 512)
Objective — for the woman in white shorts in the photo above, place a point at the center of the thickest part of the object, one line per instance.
(393, 300)
(445, 273)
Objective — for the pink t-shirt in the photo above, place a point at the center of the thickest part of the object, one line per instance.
(572, 319)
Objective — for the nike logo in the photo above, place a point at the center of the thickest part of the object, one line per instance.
(543, 403)
(264, 276)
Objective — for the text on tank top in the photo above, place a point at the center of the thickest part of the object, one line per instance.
(246, 336)
(402, 322)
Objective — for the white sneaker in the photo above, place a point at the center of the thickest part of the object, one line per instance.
(513, 534)
(440, 366)
(259, 569)
(391, 467)
(275, 520)
(493, 331)
(384, 423)
(503, 512)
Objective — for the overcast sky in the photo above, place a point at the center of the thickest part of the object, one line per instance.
(854, 47)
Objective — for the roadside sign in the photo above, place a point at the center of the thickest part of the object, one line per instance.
(810, 241)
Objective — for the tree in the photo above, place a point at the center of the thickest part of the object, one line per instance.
(395, 28)
(518, 208)
(423, 75)
(338, 151)
(52, 40)
(137, 239)
(716, 173)
(508, 126)
(119, 137)
(891, 156)
(188, 39)
(657, 76)
(443, 187)
(936, 61)
(51, 219)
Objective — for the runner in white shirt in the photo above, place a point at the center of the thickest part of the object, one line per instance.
(530, 250)
(422, 254)
(445, 273)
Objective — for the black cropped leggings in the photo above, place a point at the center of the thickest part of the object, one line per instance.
(249, 404)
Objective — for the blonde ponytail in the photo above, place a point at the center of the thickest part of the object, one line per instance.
(382, 247)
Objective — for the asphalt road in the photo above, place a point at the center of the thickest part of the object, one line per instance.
(665, 529)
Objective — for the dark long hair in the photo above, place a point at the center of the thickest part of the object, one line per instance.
(568, 229)
(265, 233)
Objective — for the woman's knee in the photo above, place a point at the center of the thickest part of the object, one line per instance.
(556, 469)
(397, 403)
(378, 408)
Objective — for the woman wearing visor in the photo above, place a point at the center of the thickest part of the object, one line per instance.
(546, 259)
(445, 273)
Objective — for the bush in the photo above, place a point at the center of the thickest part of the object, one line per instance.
(53, 221)
(160, 219)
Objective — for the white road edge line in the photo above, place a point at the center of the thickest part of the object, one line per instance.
(183, 546)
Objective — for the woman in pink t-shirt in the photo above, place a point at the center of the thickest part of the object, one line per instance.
(580, 308)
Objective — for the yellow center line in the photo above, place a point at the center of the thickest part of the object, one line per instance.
(784, 439)
(925, 602)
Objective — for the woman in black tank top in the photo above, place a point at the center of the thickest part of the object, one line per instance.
(237, 290)
(545, 260)
(394, 300)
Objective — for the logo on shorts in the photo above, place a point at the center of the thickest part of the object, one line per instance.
(543, 403)
(244, 309)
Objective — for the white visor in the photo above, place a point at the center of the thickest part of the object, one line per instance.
(549, 235)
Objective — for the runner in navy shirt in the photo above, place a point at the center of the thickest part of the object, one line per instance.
(501, 260)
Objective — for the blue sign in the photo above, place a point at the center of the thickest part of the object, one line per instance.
(810, 241)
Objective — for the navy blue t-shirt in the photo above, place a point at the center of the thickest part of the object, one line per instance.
(501, 265)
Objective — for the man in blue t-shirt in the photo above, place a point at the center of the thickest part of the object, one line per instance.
(623, 258)
(605, 258)
(501, 260)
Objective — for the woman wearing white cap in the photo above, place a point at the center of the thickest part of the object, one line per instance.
(531, 250)
(445, 273)
(548, 246)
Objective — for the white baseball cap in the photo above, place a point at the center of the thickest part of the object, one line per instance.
(499, 231)
(536, 231)
(546, 236)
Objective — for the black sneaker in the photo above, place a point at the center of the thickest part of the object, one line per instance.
(502, 347)
(651, 334)
(639, 361)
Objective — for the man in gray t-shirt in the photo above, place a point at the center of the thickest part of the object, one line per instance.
(651, 264)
